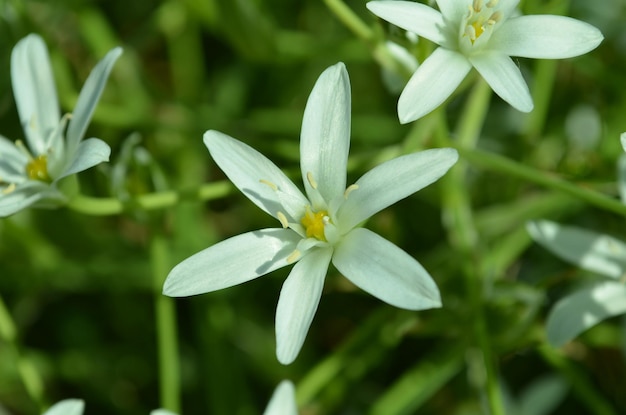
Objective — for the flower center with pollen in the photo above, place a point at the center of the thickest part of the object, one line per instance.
(314, 222)
(480, 20)
(37, 169)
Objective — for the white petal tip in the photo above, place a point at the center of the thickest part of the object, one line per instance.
(622, 138)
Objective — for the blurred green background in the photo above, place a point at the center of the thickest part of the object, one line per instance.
(81, 292)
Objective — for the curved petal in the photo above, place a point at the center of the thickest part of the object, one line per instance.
(162, 412)
(545, 36)
(283, 400)
(414, 17)
(88, 99)
(246, 167)
(432, 84)
(589, 250)
(505, 78)
(298, 302)
(34, 90)
(67, 407)
(392, 181)
(27, 194)
(453, 11)
(233, 261)
(385, 271)
(12, 162)
(325, 137)
(90, 153)
(584, 309)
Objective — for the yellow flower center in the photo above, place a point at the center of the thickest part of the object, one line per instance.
(37, 169)
(480, 18)
(313, 223)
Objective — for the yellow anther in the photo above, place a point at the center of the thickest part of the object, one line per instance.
(313, 223)
(349, 190)
(293, 257)
(492, 3)
(270, 184)
(283, 219)
(495, 17)
(37, 169)
(478, 5)
(9, 189)
(312, 182)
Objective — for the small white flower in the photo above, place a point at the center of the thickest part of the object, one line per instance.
(317, 228)
(28, 175)
(283, 401)
(483, 35)
(67, 407)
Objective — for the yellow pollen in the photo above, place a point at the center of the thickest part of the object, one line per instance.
(312, 182)
(37, 169)
(9, 189)
(313, 223)
(293, 257)
(283, 219)
(349, 190)
(270, 184)
(478, 29)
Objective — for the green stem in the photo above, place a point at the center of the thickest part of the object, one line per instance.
(504, 165)
(166, 330)
(350, 19)
(584, 389)
(464, 235)
(151, 201)
(26, 368)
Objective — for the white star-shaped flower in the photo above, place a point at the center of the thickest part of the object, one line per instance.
(283, 401)
(483, 35)
(317, 228)
(29, 175)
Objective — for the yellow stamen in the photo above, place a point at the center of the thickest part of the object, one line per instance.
(313, 223)
(349, 190)
(312, 182)
(37, 169)
(283, 219)
(9, 189)
(270, 184)
(293, 257)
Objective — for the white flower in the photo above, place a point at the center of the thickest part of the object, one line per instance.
(317, 228)
(67, 407)
(28, 175)
(483, 35)
(283, 401)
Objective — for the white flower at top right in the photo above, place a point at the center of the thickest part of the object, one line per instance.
(483, 35)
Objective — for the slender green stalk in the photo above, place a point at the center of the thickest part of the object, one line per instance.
(350, 19)
(151, 201)
(504, 165)
(166, 330)
(28, 372)
(459, 219)
(584, 389)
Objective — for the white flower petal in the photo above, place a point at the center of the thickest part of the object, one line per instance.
(67, 407)
(392, 181)
(432, 84)
(622, 139)
(88, 99)
(162, 412)
(27, 194)
(414, 17)
(504, 77)
(298, 302)
(283, 401)
(589, 250)
(325, 137)
(545, 36)
(453, 11)
(584, 309)
(12, 162)
(89, 153)
(507, 7)
(385, 271)
(34, 91)
(233, 261)
(246, 167)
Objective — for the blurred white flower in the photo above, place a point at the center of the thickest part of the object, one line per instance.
(317, 228)
(29, 174)
(483, 35)
(67, 407)
(283, 401)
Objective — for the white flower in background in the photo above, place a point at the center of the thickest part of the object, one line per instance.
(77, 406)
(594, 252)
(283, 401)
(317, 228)
(480, 34)
(29, 174)
(67, 407)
